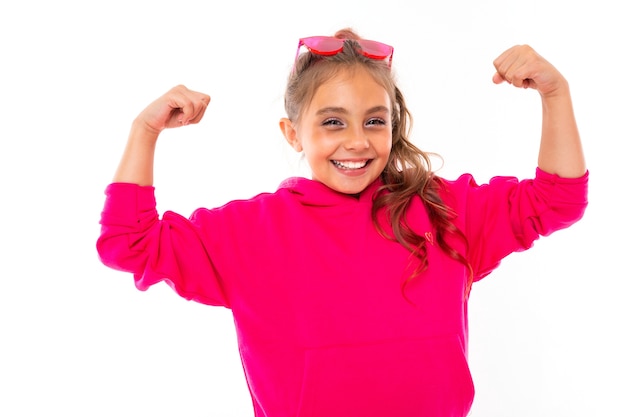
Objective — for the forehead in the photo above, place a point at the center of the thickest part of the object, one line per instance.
(354, 86)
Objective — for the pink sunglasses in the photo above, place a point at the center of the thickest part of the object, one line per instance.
(326, 45)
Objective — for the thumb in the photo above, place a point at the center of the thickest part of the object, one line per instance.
(497, 78)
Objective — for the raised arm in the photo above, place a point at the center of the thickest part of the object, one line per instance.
(178, 107)
(560, 151)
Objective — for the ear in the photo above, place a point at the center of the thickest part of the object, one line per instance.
(289, 132)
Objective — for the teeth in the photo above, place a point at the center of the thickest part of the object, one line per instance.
(350, 164)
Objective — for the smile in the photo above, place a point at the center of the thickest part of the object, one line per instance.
(351, 164)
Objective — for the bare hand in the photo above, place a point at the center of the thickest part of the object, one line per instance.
(178, 107)
(522, 67)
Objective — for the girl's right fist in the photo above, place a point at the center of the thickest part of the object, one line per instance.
(178, 107)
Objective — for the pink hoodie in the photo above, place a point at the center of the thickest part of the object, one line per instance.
(323, 323)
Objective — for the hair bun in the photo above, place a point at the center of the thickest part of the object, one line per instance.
(347, 33)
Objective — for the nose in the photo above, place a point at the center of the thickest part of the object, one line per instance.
(356, 140)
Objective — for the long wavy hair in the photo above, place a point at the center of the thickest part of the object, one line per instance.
(408, 172)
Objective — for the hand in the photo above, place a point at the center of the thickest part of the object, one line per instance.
(525, 68)
(178, 107)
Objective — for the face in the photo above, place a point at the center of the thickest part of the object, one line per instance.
(345, 133)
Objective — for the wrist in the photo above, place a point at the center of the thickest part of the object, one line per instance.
(141, 132)
(559, 93)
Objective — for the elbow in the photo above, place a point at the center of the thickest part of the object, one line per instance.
(114, 252)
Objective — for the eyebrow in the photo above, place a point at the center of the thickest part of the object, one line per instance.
(342, 110)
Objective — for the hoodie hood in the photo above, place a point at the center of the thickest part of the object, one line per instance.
(315, 193)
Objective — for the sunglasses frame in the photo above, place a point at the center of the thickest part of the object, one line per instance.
(368, 48)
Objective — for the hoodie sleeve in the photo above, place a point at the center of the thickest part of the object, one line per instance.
(507, 215)
(133, 239)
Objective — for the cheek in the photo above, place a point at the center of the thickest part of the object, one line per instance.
(318, 143)
(384, 151)
(385, 144)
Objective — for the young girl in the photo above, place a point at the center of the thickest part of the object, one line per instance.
(349, 290)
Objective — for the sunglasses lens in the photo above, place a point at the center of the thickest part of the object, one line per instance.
(323, 45)
(376, 50)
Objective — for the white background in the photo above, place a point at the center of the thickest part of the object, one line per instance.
(77, 339)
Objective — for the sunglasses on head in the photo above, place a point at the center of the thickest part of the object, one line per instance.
(327, 45)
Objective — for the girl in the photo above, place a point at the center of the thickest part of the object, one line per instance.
(348, 290)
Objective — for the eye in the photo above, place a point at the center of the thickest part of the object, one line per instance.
(332, 122)
(376, 121)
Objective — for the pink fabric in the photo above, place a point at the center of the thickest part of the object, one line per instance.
(323, 325)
